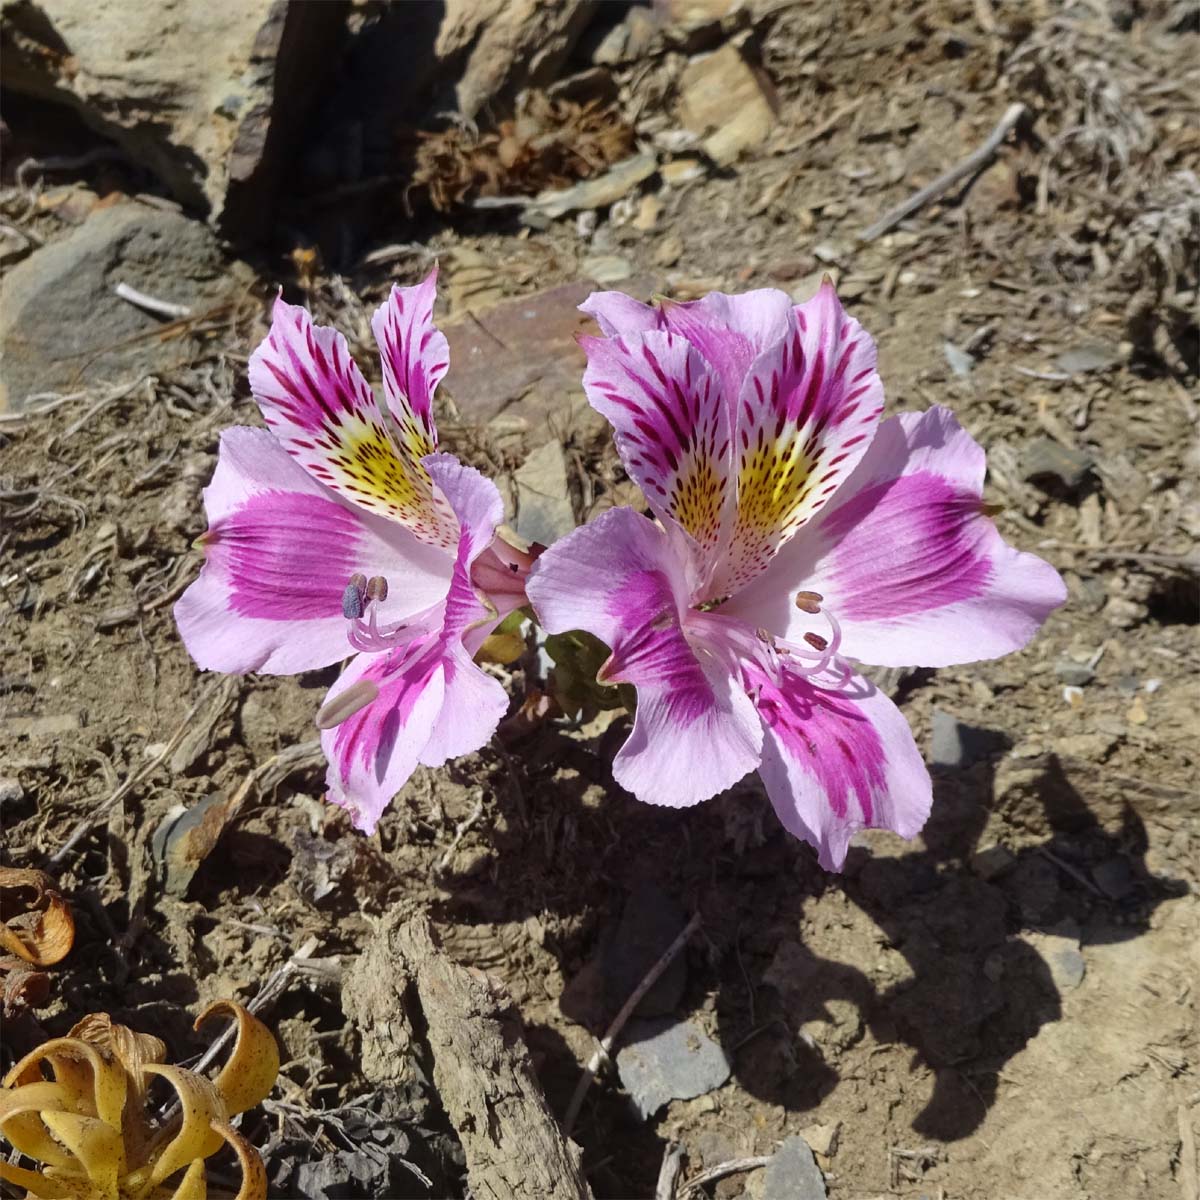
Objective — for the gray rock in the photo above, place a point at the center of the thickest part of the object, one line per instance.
(1074, 674)
(10, 790)
(61, 325)
(793, 1174)
(956, 744)
(544, 512)
(650, 922)
(1115, 878)
(1090, 356)
(1047, 461)
(665, 1060)
(213, 96)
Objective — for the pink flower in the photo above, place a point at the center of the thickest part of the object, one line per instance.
(797, 533)
(338, 530)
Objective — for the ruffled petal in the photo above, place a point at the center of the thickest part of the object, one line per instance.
(837, 762)
(806, 413)
(671, 425)
(415, 357)
(730, 332)
(907, 559)
(618, 314)
(279, 551)
(695, 733)
(425, 701)
(316, 402)
(374, 751)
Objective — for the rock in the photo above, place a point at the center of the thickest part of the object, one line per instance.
(544, 512)
(1047, 461)
(961, 363)
(213, 96)
(51, 726)
(600, 191)
(669, 251)
(1090, 356)
(650, 922)
(956, 744)
(793, 1174)
(1074, 674)
(607, 268)
(722, 97)
(61, 323)
(505, 45)
(11, 791)
(1059, 950)
(665, 1060)
(1115, 877)
(992, 862)
(822, 1139)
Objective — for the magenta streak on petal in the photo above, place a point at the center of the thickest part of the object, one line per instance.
(829, 738)
(651, 651)
(369, 736)
(251, 544)
(917, 546)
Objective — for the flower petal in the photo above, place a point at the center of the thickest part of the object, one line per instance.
(618, 314)
(671, 424)
(695, 733)
(321, 409)
(837, 762)
(278, 553)
(430, 701)
(908, 561)
(415, 358)
(374, 751)
(731, 331)
(806, 414)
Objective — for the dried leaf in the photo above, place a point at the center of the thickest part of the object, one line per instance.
(42, 930)
(249, 1075)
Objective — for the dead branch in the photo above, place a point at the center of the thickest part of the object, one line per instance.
(481, 1067)
(960, 171)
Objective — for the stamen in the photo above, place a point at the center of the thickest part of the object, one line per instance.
(354, 598)
(377, 588)
(809, 602)
(817, 642)
(354, 699)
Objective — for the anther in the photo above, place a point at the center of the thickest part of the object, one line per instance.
(377, 588)
(354, 699)
(817, 642)
(354, 599)
(809, 602)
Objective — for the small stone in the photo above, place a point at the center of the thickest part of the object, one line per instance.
(961, 363)
(1115, 878)
(722, 96)
(666, 1060)
(992, 862)
(650, 921)
(544, 512)
(1047, 461)
(793, 1174)
(600, 191)
(607, 268)
(669, 251)
(1137, 714)
(647, 214)
(1092, 356)
(681, 171)
(34, 728)
(822, 1139)
(1060, 952)
(11, 791)
(1074, 674)
(956, 744)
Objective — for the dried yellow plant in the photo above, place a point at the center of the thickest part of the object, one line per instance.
(78, 1106)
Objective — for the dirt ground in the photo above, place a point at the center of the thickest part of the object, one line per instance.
(1005, 1007)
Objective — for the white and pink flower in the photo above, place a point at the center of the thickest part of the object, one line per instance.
(795, 534)
(340, 531)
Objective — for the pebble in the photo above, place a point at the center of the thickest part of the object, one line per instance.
(956, 744)
(11, 790)
(1074, 674)
(1115, 878)
(668, 1060)
(793, 1174)
(650, 922)
(1045, 459)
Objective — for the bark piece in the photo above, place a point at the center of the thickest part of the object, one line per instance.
(481, 1068)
